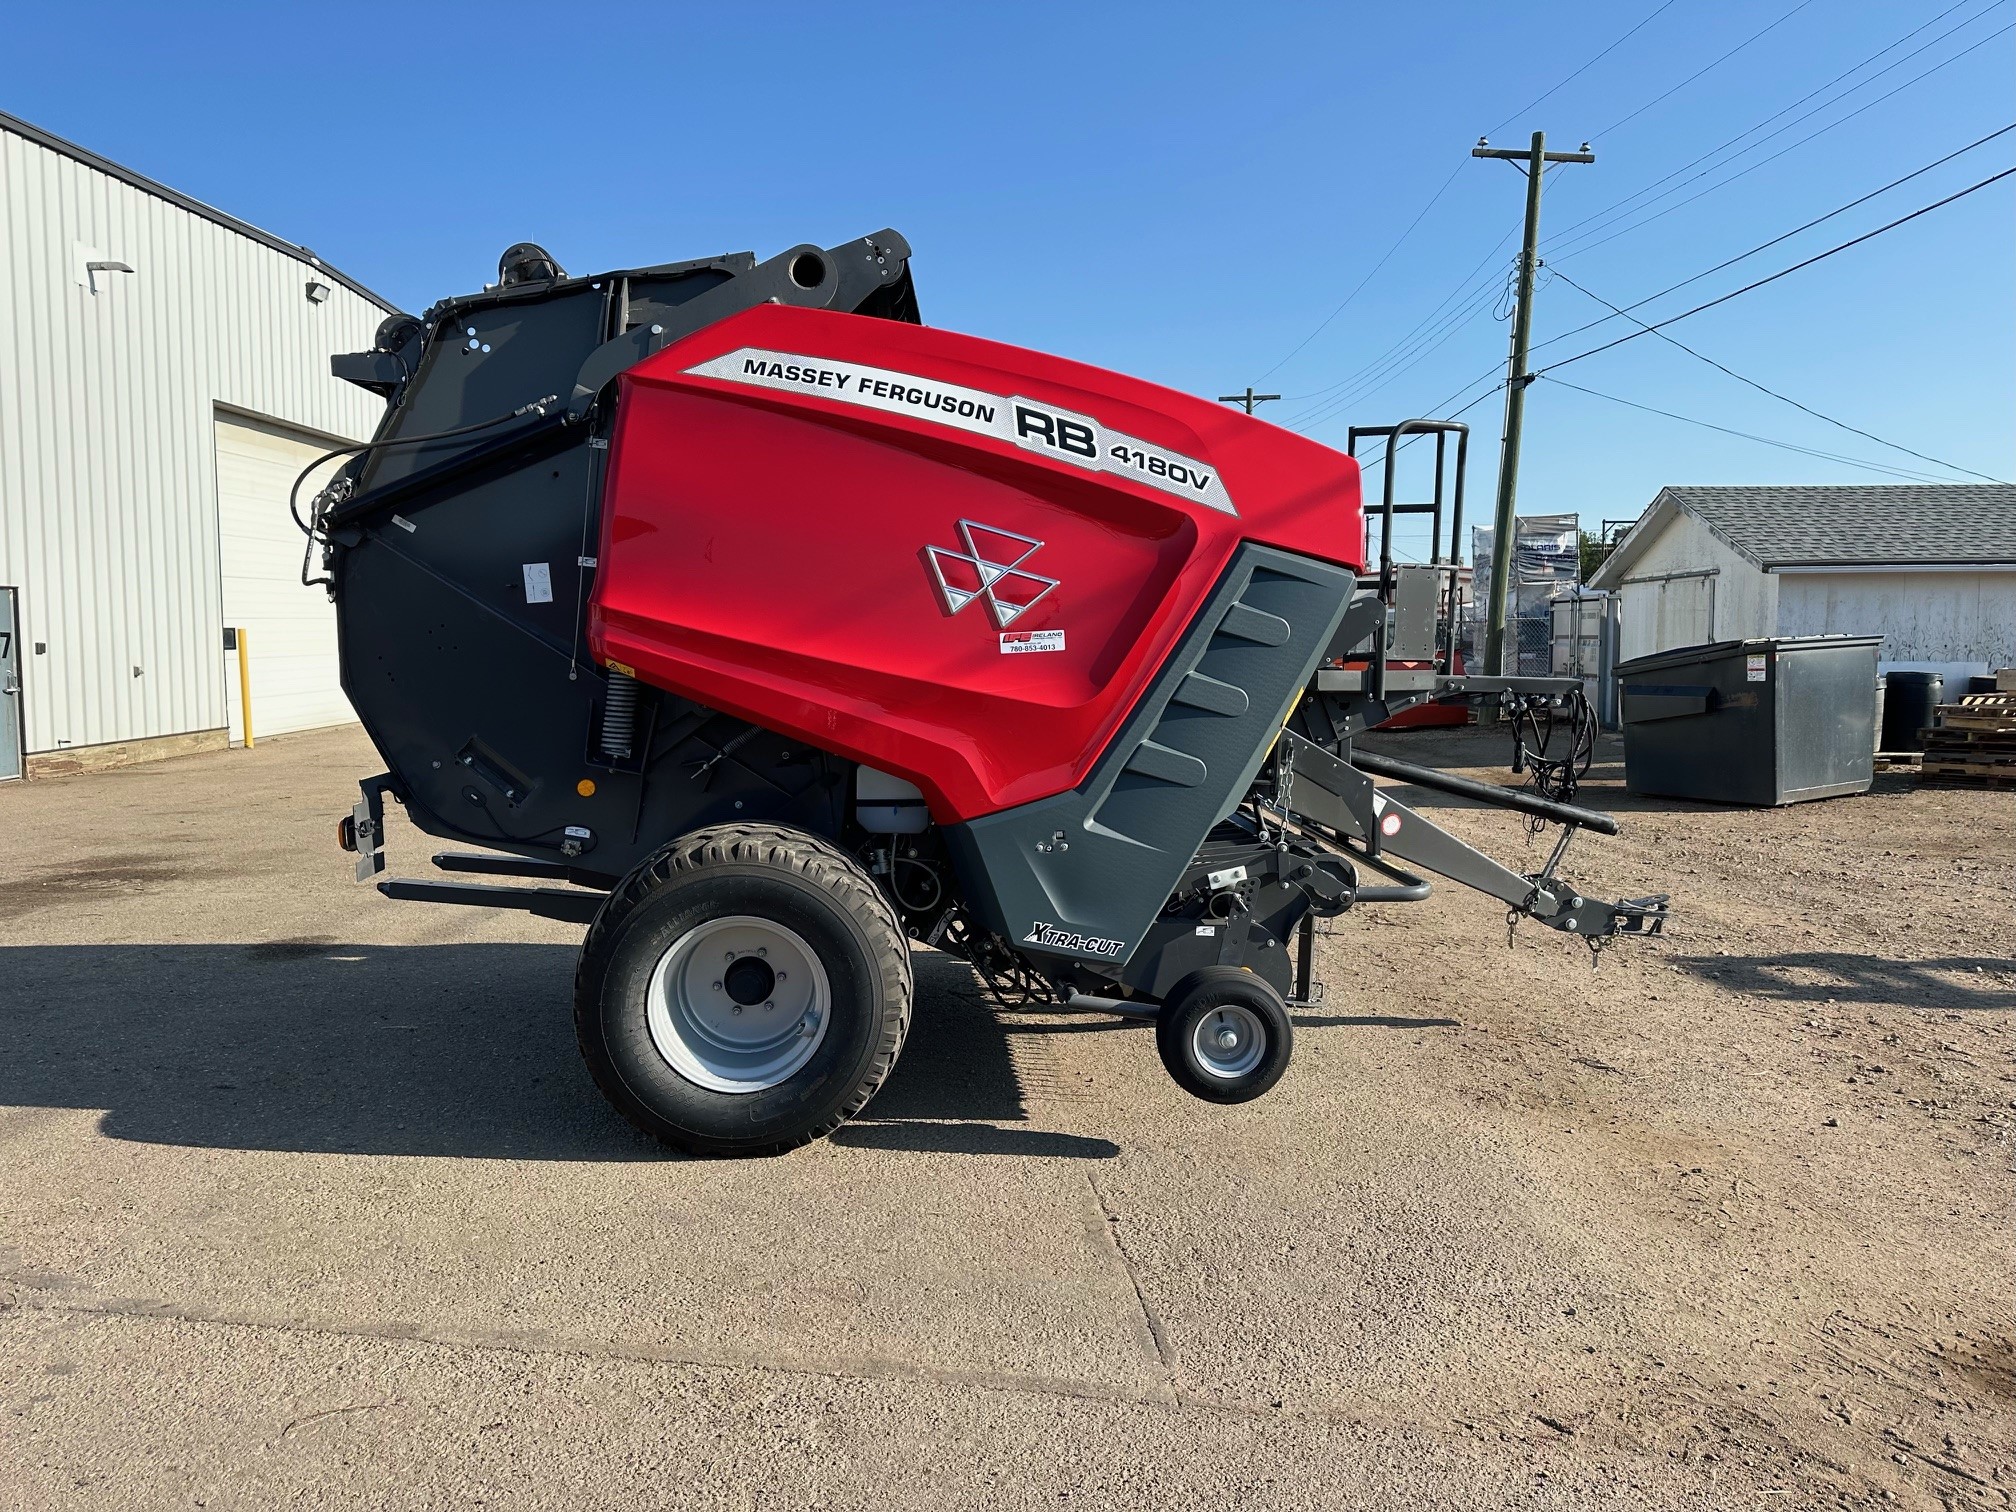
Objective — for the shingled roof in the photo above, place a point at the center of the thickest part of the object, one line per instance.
(1849, 525)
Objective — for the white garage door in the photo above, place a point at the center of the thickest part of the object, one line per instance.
(291, 630)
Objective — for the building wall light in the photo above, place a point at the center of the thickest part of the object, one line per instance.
(93, 269)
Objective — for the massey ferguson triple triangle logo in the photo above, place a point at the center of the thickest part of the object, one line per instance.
(990, 568)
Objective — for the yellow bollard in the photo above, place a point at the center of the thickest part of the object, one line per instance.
(245, 683)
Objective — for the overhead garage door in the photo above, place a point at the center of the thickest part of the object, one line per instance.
(291, 630)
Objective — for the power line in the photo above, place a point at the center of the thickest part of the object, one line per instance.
(1809, 451)
(1393, 364)
(1588, 245)
(1461, 290)
(1463, 284)
(1716, 151)
(1700, 71)
(1389, 453)
(1783, 272)
(1655, 15)
(1433, 200)
(1773, 393)
(1782, 236)
(1427, 334)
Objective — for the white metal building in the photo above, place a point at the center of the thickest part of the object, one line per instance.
(1931, 568)
(166, 375)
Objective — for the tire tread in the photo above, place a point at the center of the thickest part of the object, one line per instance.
(815, 859)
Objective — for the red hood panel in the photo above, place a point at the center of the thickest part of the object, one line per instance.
(951, 559)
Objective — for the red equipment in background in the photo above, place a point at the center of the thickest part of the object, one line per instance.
(1427, 716)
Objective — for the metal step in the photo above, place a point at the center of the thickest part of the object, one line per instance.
(565, 904)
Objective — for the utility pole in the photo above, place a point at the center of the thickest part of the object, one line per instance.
(1250, 399)
(1533, 163)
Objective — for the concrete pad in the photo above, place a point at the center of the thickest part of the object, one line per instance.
(304, 1196)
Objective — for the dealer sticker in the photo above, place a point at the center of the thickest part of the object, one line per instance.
(1017, 642)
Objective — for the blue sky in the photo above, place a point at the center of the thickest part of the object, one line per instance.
(1180, 191)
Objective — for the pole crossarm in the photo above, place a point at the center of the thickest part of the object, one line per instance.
(1249, 400)
(1522, 155)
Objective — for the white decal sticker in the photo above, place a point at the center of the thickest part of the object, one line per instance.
(1023, 641)
(1053, 938)
(584, 561)
(1753, 669)
(405, 524)
(1059, 434)
(538, 583)
(1207, 929)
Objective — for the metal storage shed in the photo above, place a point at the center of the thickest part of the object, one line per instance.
(168, 372)
(1931, 568)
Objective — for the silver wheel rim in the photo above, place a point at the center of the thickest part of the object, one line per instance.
(738, 1004)
(1229, 1042)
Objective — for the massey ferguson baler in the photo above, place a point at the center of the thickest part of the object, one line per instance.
(780, 631)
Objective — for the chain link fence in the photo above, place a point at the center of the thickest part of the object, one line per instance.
(1528, 644)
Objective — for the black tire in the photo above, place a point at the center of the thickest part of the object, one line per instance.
(1245, 1003)
(780, 876)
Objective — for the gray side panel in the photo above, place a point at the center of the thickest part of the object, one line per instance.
(1084, 874)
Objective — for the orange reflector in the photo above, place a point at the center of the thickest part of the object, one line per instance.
(585, 787)
(346, 833)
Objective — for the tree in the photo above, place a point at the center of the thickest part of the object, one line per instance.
(1594, 552)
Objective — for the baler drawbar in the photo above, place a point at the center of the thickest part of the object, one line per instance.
(740, 617)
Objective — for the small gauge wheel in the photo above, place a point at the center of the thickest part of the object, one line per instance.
(1224, 1034)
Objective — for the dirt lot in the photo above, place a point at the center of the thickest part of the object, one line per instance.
(305, 1198)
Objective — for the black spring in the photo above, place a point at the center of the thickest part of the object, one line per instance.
(619, 717)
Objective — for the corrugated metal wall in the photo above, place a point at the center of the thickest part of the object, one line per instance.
(108, 495)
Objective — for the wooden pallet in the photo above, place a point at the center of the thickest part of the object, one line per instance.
(1978, 719)
(1967, 777)
(1982, 765)
(1974, 742)
(1968, 735)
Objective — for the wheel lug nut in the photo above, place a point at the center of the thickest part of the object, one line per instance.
(736, 1009)
(781, 975)
(768, 1006)
(717, 986)
(731, 955)
(762, 951)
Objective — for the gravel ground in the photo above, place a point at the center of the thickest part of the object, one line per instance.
(305, 1198)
